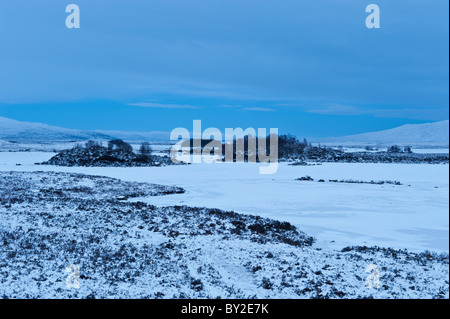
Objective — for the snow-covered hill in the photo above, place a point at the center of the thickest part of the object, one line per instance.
(29, 133)
(12, 132)
(26, 132)
(429, 134)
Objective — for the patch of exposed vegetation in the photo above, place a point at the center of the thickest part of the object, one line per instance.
(117, 154)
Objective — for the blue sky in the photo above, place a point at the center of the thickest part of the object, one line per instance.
(310, 68)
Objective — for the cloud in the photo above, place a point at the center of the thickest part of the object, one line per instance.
(417, 113)
(230, 106)
(338, 109)
(286, 104)
(164, 106)
(258, 109)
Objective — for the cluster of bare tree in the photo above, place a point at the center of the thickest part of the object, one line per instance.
(144, 151)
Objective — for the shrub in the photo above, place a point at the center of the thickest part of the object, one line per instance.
(394, 149)
(120, 145)
(90, 144)
(145, 150)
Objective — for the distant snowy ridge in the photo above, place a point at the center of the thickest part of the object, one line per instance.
(429, 134)
(12, 131)
(5, 145)
(138, 136)
(20, 132)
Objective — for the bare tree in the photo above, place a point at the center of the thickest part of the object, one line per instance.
(145, 150)
(91, 143)
(120, 145)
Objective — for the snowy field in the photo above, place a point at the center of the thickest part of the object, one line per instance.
(52, 222)
(413, 215)
(384, 149)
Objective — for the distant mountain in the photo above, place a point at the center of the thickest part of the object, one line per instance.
(26, 132)
(138, 136)
(429, 134)
(12, 132)
(5, 144)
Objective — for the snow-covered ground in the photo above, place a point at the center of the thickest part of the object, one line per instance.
(431, 150)
(59, 229)
(413, 215)
(414, 150)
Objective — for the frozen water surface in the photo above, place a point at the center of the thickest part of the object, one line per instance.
(413, 215)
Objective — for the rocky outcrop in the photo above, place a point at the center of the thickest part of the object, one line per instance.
(102, 157)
